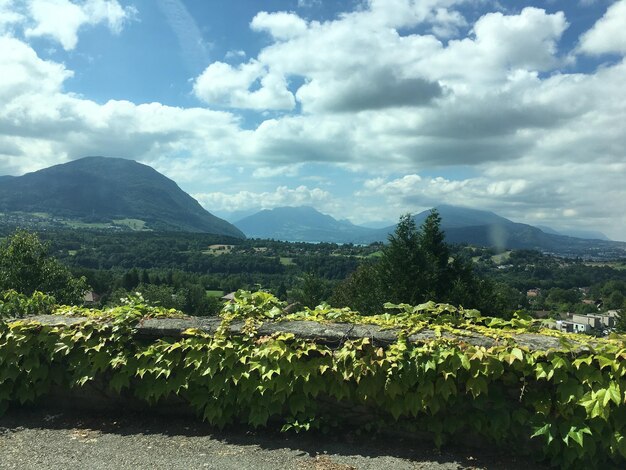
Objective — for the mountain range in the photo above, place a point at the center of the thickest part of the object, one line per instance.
(300, 224)
(113, 190)
(99, 189)
(461, 225)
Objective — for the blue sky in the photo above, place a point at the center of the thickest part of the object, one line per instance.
(362, 109)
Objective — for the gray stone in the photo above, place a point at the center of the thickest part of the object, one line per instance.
(324, 333)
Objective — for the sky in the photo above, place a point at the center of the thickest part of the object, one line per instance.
(363, 109)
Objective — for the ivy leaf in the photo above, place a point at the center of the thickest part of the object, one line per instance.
(476, 385)
(577, 435)
(604, 361)
(619, 443)
(545, 430)
(569, 391)
(612, 394)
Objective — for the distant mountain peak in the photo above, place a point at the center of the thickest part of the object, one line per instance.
(460, 224)
(110, 188)
(299, 223)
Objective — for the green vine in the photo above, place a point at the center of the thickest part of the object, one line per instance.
(566, 405)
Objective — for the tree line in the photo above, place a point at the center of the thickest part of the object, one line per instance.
(416, 265)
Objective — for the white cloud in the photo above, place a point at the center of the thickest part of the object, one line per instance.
(281, 196)
(280, 25)
(61, 19)
(366, 97)
(235, 54)
(608, 35)
(309, 3)
(41, 125)
(224, 85)
(447, 23)
(23, 72)
(9, 16)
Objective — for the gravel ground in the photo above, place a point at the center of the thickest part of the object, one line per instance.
(58, 439)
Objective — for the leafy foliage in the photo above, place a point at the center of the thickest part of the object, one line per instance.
(26, 267)
(14, 305)
(570, 402)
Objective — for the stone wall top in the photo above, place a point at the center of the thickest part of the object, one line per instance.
(324, 333)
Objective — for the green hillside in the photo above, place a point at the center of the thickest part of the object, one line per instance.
(99, 189)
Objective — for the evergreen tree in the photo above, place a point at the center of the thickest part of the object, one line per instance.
(415, 267)
(401, 267)
(438, 272)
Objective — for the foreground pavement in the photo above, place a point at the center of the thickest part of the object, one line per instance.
(58, 439)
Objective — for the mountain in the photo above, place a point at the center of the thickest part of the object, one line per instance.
(588, 234)
(300, 224)
(234, 216)
(546, 229)
(484, 228)
(461, 225)
(106, 189)
(576, 233)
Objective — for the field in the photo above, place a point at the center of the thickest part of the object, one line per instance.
(610, 264)
(218, 249)
(133, 224)
(214, 293)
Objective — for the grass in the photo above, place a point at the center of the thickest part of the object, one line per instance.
(501, 257)
(214, 293)
(133, 224)
(286, 261)
(218, 249)
(78, 224)
(621, 265)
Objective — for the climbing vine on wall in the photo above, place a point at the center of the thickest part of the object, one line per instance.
(567, 404)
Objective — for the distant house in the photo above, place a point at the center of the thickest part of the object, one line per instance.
(596, 321)
(572, 327)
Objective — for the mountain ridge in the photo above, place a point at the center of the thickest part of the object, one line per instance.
(107, 188)
(302, 223)
(460, 224)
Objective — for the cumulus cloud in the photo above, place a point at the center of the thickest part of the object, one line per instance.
(366, 95)
(41, 123)
(608, 35)
(377, 90)
(224, 85)
(9, 17)
(60, 20)
(281, 196)
(280, 25)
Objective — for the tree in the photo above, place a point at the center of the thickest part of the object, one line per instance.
(310, 291)
(361, 291)
(436, 254)
(401, 267)
(415, 266)
(26, 267)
